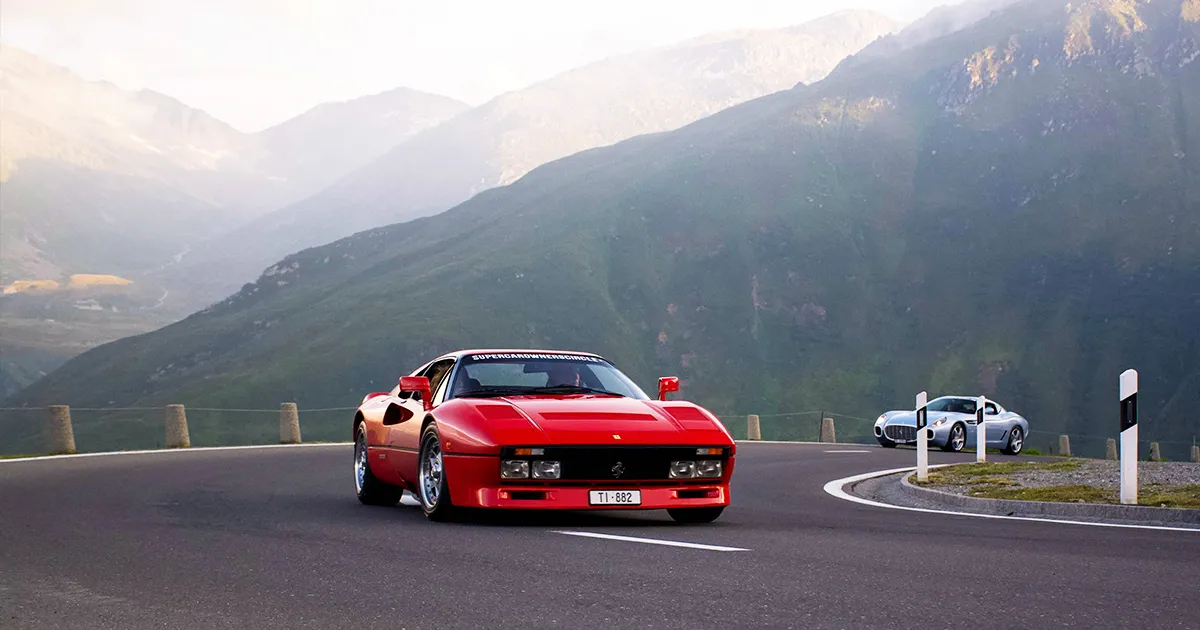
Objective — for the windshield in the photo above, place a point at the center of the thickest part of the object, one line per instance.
(953, 405)
(515, 374)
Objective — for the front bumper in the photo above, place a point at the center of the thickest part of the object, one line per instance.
(937, 435)
(475, 483)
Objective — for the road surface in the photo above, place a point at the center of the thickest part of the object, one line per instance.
(274, 538)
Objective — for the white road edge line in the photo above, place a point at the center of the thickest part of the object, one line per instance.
(38, 458)
(846, 450)
(170, 450)
(649, 541)
(834, 488)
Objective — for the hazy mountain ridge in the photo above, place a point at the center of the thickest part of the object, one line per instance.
(954, 218)
(498, 142)
(97, 179)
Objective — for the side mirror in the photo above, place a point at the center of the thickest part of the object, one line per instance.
(420, 385)
(667, 384)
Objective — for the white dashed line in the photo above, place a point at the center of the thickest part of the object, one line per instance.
(846, 451)
(650, 541)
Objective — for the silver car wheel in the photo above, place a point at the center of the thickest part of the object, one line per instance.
(360, 461)
(431, 472)
(1016, 441)
(958, 437)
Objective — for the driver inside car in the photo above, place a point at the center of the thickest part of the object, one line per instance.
(564, 374)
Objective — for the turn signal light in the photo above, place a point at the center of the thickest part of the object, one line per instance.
(708, 451)
(527, 452)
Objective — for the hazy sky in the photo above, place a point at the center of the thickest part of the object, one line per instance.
(253, 63)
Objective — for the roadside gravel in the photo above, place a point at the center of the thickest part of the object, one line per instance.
(1106, 473)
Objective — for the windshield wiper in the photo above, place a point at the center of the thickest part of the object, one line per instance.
(572, 389)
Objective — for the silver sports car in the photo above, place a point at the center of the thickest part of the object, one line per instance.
(952, 421)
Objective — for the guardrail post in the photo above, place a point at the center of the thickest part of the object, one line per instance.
(1195, 453)
(1129, 437)
(289, 424)
(1064, 445)
(922, 402)
(1110, 449)
(828, 434)
(177, 428)
(980, 430)
(1155, 452)
(60, 436)
(753, 430)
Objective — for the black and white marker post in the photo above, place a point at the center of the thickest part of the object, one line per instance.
(980, 432)
(1129, 437)
(922, 437)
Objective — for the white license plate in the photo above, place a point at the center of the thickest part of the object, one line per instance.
(615, 497)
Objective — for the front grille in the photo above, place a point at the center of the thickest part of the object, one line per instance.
(900, 432)
(600, 463)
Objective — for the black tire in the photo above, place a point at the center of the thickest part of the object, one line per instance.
(434, 499)
(370, 490)
(1016, 442)
(695, 515)
(949, 446)
(886, 443)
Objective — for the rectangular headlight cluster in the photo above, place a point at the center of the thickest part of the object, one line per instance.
(525, 469)
(702, 468)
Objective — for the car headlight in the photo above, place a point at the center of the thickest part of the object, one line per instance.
(940, 421)
(683, 470)
(514, 469)
(547, 470)
(708, 468)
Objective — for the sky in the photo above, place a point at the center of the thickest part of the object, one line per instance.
(255, 63)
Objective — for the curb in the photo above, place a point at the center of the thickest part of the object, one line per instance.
(1008, 507)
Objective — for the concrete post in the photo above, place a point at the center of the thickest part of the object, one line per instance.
(60, 436)
(828, 434)
(1064, 445)
(177, 428)
(1110, 449)
(289, 424)
(1195, 453)
(753, 430)
(1155, 452)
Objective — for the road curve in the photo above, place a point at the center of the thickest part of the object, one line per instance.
(274, 538)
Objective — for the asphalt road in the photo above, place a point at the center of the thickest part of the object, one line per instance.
(274, 538)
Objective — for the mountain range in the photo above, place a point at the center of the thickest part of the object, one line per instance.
(498, 142)
(1007, 209)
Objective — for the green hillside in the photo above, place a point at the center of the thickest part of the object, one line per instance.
(1010, 210)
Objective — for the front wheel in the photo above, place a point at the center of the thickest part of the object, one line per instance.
(367, 486)
(433, 489)
(1016, 441)
(957, 439)
(695, 515)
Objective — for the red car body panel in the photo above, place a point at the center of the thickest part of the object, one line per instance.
(473, 432)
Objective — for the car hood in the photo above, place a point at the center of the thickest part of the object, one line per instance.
(598, 420)
(902, 418)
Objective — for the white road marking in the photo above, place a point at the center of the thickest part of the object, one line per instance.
(834, 488)
(846, 451)
(650, 541)
(170, 450)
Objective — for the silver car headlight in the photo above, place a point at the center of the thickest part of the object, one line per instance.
(939, 422)
(683, 470)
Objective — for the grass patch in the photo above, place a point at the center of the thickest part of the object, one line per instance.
(1166, 496)
(1061, 494)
